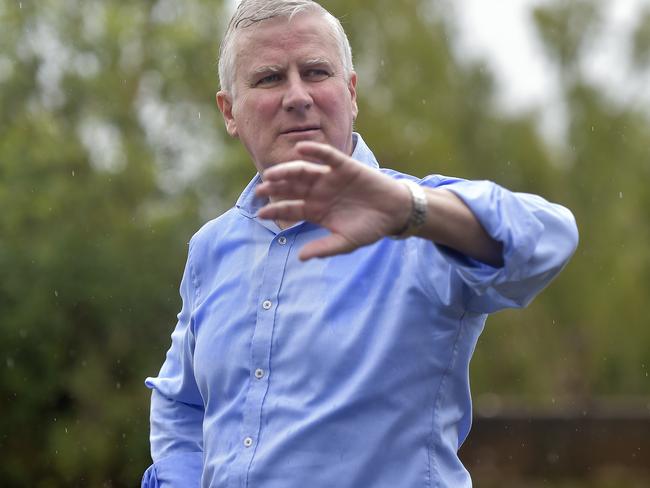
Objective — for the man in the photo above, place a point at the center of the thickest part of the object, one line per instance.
(349, 371)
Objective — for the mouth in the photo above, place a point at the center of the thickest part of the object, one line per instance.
(301, 130)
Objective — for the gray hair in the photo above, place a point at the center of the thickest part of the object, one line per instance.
(250, 12)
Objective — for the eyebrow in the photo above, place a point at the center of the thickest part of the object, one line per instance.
(317, 62)
(271, 68)
(277, 68)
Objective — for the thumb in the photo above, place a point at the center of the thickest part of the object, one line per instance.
(330, 245)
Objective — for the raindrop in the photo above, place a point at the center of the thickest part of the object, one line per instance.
(620, 194)
(424, 102)
(382, 62)
(56, 293)
(593, 129)
(66, 429)
(20, 4)
(72, 172)
(199, 115)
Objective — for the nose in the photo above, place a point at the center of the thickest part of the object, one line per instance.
(297, 96)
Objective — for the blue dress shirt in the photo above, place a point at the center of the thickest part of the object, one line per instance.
(343, 372)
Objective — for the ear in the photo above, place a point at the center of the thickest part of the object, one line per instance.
(224, 102)
(352, 88)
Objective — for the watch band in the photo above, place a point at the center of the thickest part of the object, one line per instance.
(418, 210)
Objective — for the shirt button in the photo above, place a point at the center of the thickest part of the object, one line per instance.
(248, 442)
(282, 240)
(267, 304)
(259, 373)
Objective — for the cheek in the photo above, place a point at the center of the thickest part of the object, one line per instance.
(263, 107)
(335, 102)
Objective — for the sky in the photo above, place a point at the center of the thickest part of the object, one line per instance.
(502, 33)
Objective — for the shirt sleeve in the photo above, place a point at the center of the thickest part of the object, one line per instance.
(182, 470)
(176, 404)
(538, 238)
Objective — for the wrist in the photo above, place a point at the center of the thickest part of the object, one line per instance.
(416, 214)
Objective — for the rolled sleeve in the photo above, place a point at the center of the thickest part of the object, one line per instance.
(181, 470)
(538, 238)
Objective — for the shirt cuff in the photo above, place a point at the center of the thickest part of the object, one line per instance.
(507, 220)
(182, 470)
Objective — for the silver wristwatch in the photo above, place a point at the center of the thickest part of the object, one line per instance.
(418, 210)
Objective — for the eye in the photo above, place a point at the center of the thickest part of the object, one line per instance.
(316, 74)
(268, 80)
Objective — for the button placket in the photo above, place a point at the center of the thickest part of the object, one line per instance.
(273, 274)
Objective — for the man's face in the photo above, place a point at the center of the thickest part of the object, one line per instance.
(289, 86)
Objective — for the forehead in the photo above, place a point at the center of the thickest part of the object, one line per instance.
(281, 40)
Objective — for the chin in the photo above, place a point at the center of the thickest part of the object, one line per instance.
(290, 153)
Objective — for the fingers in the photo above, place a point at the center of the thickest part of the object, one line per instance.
(295, 170)
(330, 245)
(321, 153)
(282, 190)
(291, 180)
(289, 210)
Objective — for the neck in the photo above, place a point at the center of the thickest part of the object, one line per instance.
(283, 224)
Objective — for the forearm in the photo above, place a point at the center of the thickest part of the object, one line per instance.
(451, 223)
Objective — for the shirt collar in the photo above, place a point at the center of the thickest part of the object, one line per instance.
(249, 204)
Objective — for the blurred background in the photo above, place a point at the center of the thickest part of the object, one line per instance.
(112, 153)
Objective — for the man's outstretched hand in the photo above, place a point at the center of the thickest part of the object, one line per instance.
(357, 204)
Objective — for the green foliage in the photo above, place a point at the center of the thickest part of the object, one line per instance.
(584, 337)
(641, 40)
(565, 27)
(91, 243)
(112, 154)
